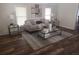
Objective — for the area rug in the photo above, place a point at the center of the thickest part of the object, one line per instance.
(37, 42)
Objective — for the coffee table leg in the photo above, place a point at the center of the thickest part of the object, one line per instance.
(44, 36)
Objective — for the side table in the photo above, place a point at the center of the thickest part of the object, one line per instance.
(13, 29)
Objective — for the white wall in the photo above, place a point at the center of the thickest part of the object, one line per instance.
(7, 9)
(67, 14)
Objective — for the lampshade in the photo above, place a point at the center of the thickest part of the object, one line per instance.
(11, 17)
(52, 16)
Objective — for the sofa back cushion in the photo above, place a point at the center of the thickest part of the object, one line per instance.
(33, 22)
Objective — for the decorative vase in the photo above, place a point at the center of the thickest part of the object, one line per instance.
(50, 27)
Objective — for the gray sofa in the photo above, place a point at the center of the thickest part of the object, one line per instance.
(35, 25)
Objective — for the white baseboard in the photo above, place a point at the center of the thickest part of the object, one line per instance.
(68, 27)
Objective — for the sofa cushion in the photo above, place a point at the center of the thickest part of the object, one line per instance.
(33, 22)
(38, 22)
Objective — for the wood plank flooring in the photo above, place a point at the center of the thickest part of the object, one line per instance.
(14, 45)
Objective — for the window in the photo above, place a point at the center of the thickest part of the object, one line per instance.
(21, 15)
(48, 14)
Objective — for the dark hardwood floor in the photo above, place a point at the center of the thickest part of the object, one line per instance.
(15, 45)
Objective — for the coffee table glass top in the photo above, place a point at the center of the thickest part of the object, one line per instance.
(46, 33)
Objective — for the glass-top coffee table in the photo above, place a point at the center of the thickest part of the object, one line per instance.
(45, 33)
